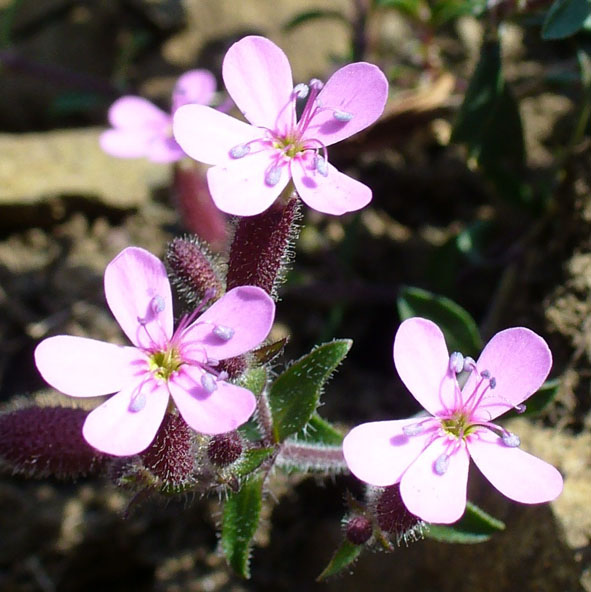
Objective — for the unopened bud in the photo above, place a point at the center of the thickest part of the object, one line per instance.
(358, 529)
(224, 449)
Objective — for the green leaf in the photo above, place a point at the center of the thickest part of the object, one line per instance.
(443, 11)
(565, 18)
(489, 123)
(252, 460)
(239, 524)
(538, 401)
(266, 353)
(460, 329)
(313, 15)
(320, 431)
(294, 395)
(344, 556)
(475, 526)
(254, 380)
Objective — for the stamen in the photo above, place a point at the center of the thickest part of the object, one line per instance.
(137, 403)
(456, 362)
(469, 364)
(492, 382)
(208, 382)
(157, 303)
(240, 150)
(511, 440)
(273, 176)
(316, 84)
(520, 408)
(485, 374)
(413, 430)
(321, 165)
(343, 116)
(301, 90)
(223, 332)
(212, 362)
(441, 464)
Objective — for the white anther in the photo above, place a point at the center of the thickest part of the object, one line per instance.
(456, 362)
(157, 303)
(240, 151)
(316, 84)
(469, 364)
(342, 115)
(414, 429)
(223, 332)
(301, 90)
(208, 383)
(137, 403)
(441, 464)
(272, 176)
(321, 165)
(511, 440)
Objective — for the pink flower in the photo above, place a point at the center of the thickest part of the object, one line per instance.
(162, 362)
(140, 129)
(429, 456)
(254, 163)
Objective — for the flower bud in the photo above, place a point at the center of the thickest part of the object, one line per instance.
(358, 529)
(224, 449)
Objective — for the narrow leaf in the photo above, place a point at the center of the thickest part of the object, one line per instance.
(252, 459)
(312, 15)
(239, 524)
(320, 431)
(344, 556)
(460, 329)
(295, 394)
(565, 18)
(476, 526)
(266, 353)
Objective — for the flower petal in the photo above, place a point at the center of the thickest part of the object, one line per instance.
(519, 360)
(208, 135)
(360, 90)
(515, 473)
(82, 367)
(436, 498)
(115, 429)
(220, 411)
(132, 112)
(258, 77)
(194, 86)
(379, 452)
(125, 143)
(139, 296)
(422, 361)
(247, 311)
(239, 187)
(335, 193)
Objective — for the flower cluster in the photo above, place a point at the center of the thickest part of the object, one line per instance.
(429, 456)
(141, 129)
(162, 362)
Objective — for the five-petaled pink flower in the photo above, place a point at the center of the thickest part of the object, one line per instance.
(143, 130)
(162, 363)
(429, 456)
(254, 163)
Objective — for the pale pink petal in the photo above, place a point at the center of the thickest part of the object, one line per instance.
(519, 360)
(379, 452)
(194, 86)
(239, 187)
(436, 498)
(359, 90)
(82, 367)
(422, 361)
(220, 411)
(335, 193)
(115, 429)
(126, 143)
(208, 135)
(515, 473)
(258, 77)
(132, 112)
(164, 149)
(246, 312)
(139, 296)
